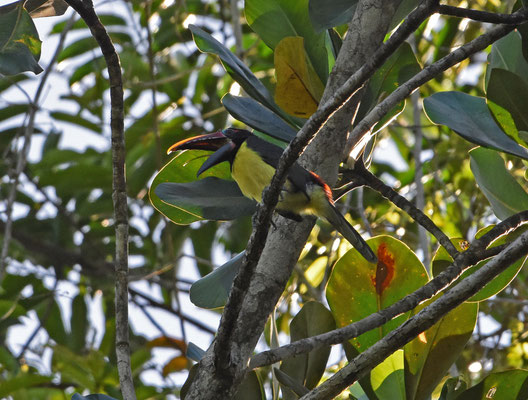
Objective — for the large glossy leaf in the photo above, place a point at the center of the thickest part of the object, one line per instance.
(388, 378)
(358, 288)
(252, 113)
(507, 53)
(326, 14)
(430, 354)
(510, 91)
(307, 369)
(212, 290)
(273, 20)
(182, 169)
(210, 198)
(19, 43)
(470, 117)
(299, 89)
(236, 68)
(505, 385)
(505, 194)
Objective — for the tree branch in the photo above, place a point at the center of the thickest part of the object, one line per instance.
(119, 196)
(361, 175)
(264, 213)
(482, 16)
(422, 321)
(476, 252)
(428, 73)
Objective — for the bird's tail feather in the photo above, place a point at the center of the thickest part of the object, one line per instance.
(339, 222)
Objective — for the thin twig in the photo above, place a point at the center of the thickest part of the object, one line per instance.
(482, 16)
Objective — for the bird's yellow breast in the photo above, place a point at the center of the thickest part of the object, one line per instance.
(251, 172)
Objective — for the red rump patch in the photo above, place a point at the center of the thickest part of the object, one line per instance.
(326, 188)
(384, 269)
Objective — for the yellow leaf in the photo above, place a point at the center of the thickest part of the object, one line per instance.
(175, 365)
(299, 89)
(165, 341)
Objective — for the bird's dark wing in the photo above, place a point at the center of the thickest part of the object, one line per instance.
(270, 153)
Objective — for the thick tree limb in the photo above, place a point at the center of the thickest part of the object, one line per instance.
(476, 252)
(422, 321)
(119, 196)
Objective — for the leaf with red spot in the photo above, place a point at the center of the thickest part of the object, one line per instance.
(357, 288)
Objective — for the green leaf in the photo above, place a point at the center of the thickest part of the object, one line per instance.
(76, 119)
(181, 169)
(77, 396)
(326, 14)
(22, 381)
(73, 368)
(273, 20)
(452, 388)
(250, 388)
(507, 53)
(469, 116)
(212, 290)
(501, 189)
(79, 323)
(388, 378)
(252, 113)
(307, 369)
(19, 43)
(357, 288)
(510, 91)
(50, 317)
(505, 385)
(430, 354)
(209, 198)
(236, 68)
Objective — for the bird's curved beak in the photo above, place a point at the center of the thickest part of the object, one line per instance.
(209, 142)
(221, 145)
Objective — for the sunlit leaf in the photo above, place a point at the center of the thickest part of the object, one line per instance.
(511, 384)
(388, 379)
(358, 288)
(507, 53)
(431, 353)
(510, 91)
(299, 89)
(273, 20)
(19, 43)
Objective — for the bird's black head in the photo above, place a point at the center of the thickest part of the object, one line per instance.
(224, 143)
(238, 136)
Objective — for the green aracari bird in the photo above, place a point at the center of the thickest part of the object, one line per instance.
(253, 162)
